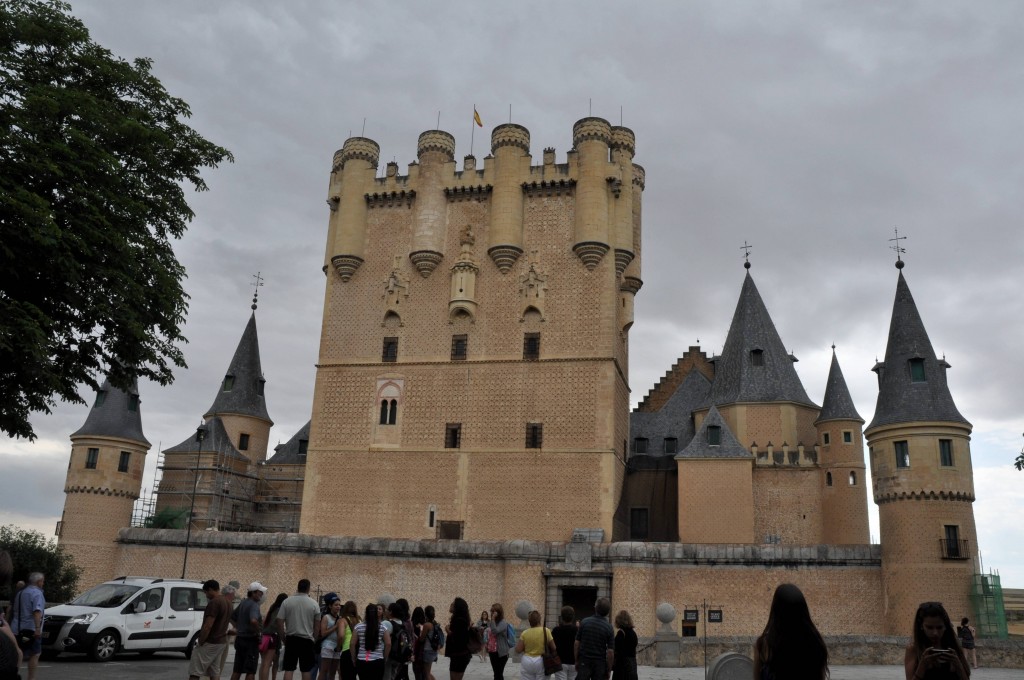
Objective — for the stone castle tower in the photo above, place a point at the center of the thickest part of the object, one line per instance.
(921, 470)
(475, 339)
(108, 456)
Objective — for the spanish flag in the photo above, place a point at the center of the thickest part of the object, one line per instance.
(476, 118)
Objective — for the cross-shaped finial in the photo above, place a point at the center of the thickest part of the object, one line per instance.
(257, 281)
(897, 248)
(746, 254)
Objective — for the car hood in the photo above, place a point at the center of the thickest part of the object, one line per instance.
(75, 610)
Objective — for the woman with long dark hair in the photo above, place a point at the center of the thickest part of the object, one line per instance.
(269, 658)
(457, 646)
(790, 648)
(934, 652)
(625, 648)
(431, 640)
(347, 667)
(370, 645)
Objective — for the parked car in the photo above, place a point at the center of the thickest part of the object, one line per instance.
(132, 614)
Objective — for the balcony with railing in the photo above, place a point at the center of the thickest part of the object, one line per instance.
(959, 549)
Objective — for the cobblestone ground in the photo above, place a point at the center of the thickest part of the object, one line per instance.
(481, 670)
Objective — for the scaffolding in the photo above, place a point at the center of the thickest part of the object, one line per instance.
(989, 610)
(224, 487)
(145, 505)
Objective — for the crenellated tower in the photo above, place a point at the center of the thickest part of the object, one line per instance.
(921, 469)
(844, 500)
(108, 457)
(527, 318)
(352, 174)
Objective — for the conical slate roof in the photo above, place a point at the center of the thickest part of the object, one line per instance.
(900, 398)
(737, 378)
(112, 415)
(288, 453)
(728, 446)
(837, 404)
(216, 440)
(245, 396)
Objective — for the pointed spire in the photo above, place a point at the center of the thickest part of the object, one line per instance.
(115, 413)
(755, 365)
(241, 390)
(294, 450)
(703, 443)
(837, 403)
(912, 380)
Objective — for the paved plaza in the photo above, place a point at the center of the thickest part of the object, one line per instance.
(174, 667)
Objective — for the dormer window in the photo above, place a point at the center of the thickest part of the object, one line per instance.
(917, 370)
(133, 402)
(229, 383)
(714, 435)
(259, 386)
(101, 397)
(757, 357)
(303, 447)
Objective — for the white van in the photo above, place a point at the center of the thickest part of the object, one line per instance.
(132, 614)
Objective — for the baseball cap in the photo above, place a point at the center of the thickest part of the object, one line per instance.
(330, 598)
(256, 585)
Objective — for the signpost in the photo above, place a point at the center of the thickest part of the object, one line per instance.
(712, 614)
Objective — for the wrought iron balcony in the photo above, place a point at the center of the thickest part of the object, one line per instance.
(955, 550)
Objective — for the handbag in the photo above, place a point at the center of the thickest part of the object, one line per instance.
(473, 642)
(266, 642)
(26, 636)
(552, 662)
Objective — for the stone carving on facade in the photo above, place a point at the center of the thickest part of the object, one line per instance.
(532, 290)
(396, 288)
(578, 556)
(462, 299)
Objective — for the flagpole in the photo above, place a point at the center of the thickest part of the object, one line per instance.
(472, 130)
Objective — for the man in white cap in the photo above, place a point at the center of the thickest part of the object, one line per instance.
(248, 628)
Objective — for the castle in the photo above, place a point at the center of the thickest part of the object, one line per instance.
(473, 379)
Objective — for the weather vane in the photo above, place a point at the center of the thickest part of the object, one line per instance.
(897, 248)
(257, 281)
(746, 254)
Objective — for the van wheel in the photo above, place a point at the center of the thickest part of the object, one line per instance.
(192, 644)
(105, 646)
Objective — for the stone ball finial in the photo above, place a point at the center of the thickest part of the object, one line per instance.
(666, 613)
(523, 609)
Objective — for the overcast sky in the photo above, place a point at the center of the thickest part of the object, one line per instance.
(809, 130)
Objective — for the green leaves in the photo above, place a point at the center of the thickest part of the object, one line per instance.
(94, 156)
(31, 551)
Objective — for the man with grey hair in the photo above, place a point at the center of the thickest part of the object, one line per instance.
(228, 592)
(29, 605)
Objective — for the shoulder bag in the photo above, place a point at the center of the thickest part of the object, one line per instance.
(552, 662)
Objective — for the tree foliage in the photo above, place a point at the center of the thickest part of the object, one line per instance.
(94, 159)
(31, 551)
(1019, 463)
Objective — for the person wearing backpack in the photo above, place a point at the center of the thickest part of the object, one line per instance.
(499, 634)
(432, 640)
(401, 643)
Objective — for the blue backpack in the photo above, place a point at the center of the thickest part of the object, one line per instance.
(510, 633)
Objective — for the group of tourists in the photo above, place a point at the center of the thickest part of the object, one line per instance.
(792, 647)
(21, 625)
(382, 641)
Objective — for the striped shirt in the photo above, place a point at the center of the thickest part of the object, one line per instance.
(373, 654)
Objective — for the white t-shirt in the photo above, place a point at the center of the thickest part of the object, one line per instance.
(373, 654)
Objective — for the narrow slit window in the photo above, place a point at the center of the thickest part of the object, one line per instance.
(260, 386)
(902, 454)
(389, 353)
(534, 435)
(243, 442)
(531, 346)
(946, 452)
(853, 478)
(828, 479)
(92, 457)
(393, 412)
(826, 438)
(453, 435)
(124, 461)
(383, 412)
(460, 347)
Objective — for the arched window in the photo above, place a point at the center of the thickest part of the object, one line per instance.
(853, 478)
(828, 479)
(393, 412)
(383, 411)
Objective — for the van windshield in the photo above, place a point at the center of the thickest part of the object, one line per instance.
(106, 595)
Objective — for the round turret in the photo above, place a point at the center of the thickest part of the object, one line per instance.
(358, 147)
(591, 129)
(436, 140)
(639, 176)
(510, 134)
(624, 138)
